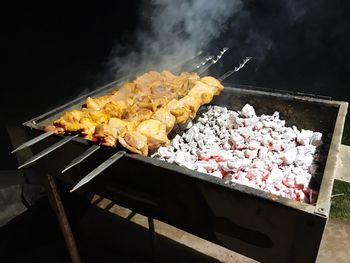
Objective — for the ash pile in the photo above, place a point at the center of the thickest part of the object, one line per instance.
(256, 151)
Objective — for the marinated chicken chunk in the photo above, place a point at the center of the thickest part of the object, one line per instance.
(135, 142)
(165, 117)
(141, 113)
(155, 131)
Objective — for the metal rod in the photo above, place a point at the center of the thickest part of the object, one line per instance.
(213, 61)
(204, 68)
(33, 141)
(94, 148)
(239, 67)
(99, 169)
(82, 157)
(56, 204)
(47, 150)
(152, 235)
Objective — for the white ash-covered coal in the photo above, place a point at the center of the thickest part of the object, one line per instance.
(257, 151)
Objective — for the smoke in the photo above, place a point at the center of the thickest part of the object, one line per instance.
(292, 42)
(173, 32)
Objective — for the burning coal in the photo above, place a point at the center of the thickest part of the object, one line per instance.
(257, 151)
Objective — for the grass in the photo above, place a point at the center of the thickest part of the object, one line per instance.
(346, 132)
(341, 204)
(340, 208)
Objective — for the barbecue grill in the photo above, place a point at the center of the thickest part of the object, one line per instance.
(249, 221)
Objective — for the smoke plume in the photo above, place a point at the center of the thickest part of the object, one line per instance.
(292, 42)
(172, 32)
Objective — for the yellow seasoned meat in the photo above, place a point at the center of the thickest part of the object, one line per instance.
(71, 116)
(181, 112)
(99, 116)
(213, 82)
(202, 92)
(138, 114)
(155, 131)
(109, 133)
(165, 117)
(135, 142)
(97, 103)
(87, 127)
(192, 105)
(116, 108)
(70, 121)
(141, 113)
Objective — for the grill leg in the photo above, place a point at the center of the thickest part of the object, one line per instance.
(57, 206)
(152, 235)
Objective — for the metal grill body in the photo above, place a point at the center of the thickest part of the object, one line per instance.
(251, 222)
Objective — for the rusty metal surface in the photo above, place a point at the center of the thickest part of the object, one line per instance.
(237, 217)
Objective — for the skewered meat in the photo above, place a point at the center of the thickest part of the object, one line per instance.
(70, 120)
(109, 133)
(140, 114)
(117, 109)
(87, 127)
(155, 131)
(213, 82)
(180, 111)
(135, 142)
(165, 117)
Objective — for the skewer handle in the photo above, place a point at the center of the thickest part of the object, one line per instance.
(99, 169)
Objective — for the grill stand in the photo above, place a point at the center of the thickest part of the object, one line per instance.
(17, 136)
(152, 235)
(57, 206)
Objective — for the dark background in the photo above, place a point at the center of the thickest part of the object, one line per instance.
(54, 52)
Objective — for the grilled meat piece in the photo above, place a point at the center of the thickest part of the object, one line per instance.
(155, 131)
(135, 142)
(140, 114)
(165, 117)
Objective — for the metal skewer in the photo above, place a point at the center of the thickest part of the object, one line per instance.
(48, 150)
(213, 60)
(94, 148)
(118, 155)
(49, 133)
(82, 157)
(103, 166)
(239, 67)
(33, 141)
